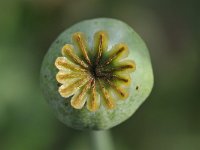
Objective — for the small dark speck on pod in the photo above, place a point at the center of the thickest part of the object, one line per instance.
(66, 104)
(137, 88)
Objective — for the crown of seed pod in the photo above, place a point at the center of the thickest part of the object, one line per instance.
(96, 74)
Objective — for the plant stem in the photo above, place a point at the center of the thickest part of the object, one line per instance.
(101, 140)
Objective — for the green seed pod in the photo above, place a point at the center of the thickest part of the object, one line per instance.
(96, 74)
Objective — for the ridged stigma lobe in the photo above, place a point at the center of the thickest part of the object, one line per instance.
(94, 79)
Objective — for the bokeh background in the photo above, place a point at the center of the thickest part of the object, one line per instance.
(168, 120)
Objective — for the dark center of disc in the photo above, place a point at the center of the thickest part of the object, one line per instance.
(98, 72)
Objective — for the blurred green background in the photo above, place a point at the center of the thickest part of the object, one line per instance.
(168, 120)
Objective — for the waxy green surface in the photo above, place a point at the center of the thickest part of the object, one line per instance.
(141, 78)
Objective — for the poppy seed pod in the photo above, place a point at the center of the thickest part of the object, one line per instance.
(96, 74)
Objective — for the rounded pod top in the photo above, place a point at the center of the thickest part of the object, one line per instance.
(96, 74)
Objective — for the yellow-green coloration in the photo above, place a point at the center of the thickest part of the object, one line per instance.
(102, 75)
